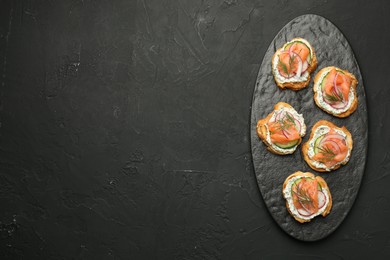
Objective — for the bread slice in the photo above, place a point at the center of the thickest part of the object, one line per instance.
(324, 187)
(262, 130)
(318, 98)
(306, 146)
(293, 84)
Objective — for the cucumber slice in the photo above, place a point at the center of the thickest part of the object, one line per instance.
(340, 71)
(323, 81)
(319, 187)
(287, 145)
(288, 45)
(297, 181)
(317, 142)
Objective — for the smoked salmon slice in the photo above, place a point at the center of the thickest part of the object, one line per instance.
(336, 86)
(301, 49)
(293, 60)
(305, 195)
(284, 130)
(331, 149)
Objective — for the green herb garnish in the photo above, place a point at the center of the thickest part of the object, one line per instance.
(327, 152)
(303, 196)
(289, 118)
(334, 97)
(283, 66)
(293, 57)
(285, 124)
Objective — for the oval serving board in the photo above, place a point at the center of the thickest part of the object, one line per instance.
(332, 49)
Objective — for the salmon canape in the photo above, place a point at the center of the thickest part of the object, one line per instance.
(307, 196)
(293, 63)
(282, 130)
(335, 91)
(328, 147)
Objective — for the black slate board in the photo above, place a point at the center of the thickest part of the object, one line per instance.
(332, 49)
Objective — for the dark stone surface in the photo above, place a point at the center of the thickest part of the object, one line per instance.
(125, 130)
(332, 49)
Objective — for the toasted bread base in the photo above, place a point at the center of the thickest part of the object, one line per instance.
(306, 146)
(262, 130)
(299, 84)
(354, 83)
(323, 184)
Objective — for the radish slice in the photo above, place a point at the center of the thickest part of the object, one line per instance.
(305, 65)
(321, 199)
(335, 80)
(304, 213)
(290, 49)
(339, 105)
(300, 62)
(299, 70)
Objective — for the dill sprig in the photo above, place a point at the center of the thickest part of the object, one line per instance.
(289, 117)
(286, 122)
(303, 196)
(327, 152)
(283, 66)
(293, 57)
(291, 61)
(334, 97)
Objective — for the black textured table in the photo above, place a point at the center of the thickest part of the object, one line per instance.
(125, 130)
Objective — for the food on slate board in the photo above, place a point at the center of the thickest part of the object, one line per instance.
(328, 147)
(282, 130)
(307, 196)
(293, 63)
(335, 91)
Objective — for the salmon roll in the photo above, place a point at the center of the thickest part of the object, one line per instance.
(328, 148)
(307, 196)
(335, 91)
(293, 63)
(282, 130)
